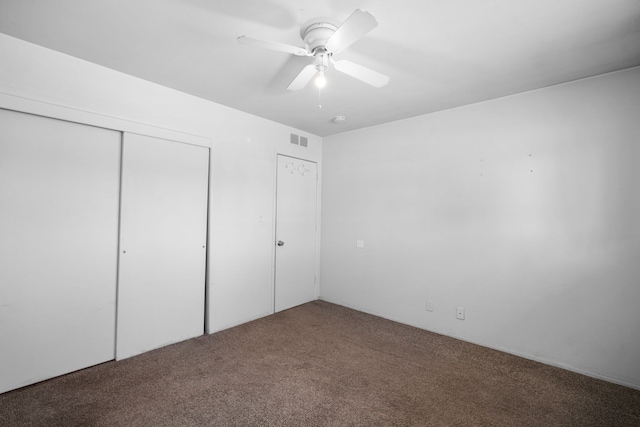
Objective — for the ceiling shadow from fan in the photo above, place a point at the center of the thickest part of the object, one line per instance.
(431, 79)
(433, 65)
(264, 12)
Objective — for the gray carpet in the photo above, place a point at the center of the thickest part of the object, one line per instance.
(322, 365)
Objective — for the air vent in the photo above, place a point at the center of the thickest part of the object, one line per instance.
(302, 141)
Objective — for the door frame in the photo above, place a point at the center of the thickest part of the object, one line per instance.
(275, 221)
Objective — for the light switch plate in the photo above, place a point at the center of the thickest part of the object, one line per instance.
(359, 244)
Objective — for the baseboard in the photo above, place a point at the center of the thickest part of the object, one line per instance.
(494, 347)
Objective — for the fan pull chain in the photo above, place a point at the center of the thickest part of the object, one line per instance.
(319, 100)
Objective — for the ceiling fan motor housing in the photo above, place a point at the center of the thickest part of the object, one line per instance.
(316, 34)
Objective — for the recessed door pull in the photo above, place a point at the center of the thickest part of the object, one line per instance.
(280, 243)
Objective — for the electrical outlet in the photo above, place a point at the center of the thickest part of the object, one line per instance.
(460, 313)
(429, 305)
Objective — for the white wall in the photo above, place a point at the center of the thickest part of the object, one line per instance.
(544, 262)
(244, 149)
(524, 210)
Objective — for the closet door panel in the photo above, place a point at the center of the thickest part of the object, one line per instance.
(59, 196)
(161, 281)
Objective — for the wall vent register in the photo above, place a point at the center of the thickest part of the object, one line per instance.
(299, 140)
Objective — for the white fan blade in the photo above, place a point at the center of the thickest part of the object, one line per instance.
(303, 78)
(280, 47)
(356, 26)
(359, 72)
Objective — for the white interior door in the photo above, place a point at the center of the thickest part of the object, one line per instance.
(295, 281)
(59, 195)
(163, 235)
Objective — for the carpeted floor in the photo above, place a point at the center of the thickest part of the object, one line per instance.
(322, 365)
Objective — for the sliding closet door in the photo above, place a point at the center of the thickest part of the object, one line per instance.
(161, 281)
(59, 191)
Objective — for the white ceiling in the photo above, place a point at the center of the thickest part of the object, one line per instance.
(439, 53)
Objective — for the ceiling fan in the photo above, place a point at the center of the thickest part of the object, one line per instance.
(323, 39)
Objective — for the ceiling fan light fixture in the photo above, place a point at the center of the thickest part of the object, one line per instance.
(320, 80)
(339, 119)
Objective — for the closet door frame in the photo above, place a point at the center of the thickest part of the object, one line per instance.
(21, 104)
(91, 118)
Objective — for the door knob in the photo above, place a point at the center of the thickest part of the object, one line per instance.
(280, 243)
